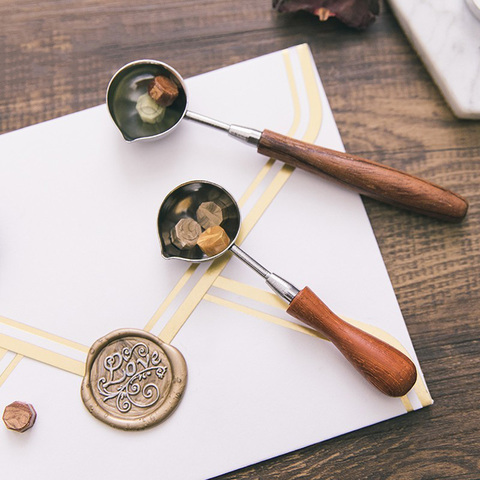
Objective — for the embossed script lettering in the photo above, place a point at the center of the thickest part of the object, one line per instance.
(126, 377)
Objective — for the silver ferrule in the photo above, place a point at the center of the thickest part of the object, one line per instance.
(246, 134)
(281, 287)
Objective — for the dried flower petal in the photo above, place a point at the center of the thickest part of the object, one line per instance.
(354, 13)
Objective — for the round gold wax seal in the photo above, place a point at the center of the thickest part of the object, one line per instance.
(132, 379)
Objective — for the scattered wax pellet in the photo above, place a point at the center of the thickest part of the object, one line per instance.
(19, 416)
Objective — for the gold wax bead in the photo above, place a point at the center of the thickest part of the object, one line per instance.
(213, 240)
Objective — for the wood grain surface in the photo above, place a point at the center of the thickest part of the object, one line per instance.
(57, 57)
(372, 179)
(385, 367)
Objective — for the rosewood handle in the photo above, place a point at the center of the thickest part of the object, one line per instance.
(388, 369)
(366, 177)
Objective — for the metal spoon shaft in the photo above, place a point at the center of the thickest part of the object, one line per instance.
(245, 134)
(211, 122)
(278, 284)
(246, 258)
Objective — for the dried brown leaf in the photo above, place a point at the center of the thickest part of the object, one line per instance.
(354, 13)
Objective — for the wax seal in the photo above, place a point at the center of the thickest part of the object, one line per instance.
(133, 380)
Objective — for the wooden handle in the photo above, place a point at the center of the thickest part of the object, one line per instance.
(366, 177)
(389, 370)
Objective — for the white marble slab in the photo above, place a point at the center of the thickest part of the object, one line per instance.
(446, 35)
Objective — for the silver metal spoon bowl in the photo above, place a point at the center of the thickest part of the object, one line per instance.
(183, 202)
(128, 84)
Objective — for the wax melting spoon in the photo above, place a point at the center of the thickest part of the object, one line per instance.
(386, 368)
(364, 176)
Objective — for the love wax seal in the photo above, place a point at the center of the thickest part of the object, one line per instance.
(133, 380)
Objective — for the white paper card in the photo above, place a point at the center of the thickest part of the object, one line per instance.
(80, 257)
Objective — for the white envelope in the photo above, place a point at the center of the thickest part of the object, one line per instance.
(80, 257)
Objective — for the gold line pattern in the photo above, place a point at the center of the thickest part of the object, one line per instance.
(10, 367)
(171, 296)
(258, 180)
(263, 316)
(43, 334)
(419, 387)
(42, 354)
(313, 93)
(302, 51)
(243, 199)
(265, 297)
(212, 275)
(233, 286)
(200, 289)
(191, 270)
(407, 404)
(10, 344)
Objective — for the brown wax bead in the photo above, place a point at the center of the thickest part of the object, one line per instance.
(163, 90)
(213, 240)
(209, 214)
(185, 233)
(19, 416)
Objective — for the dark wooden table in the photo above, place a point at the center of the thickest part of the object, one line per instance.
(57, 57)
